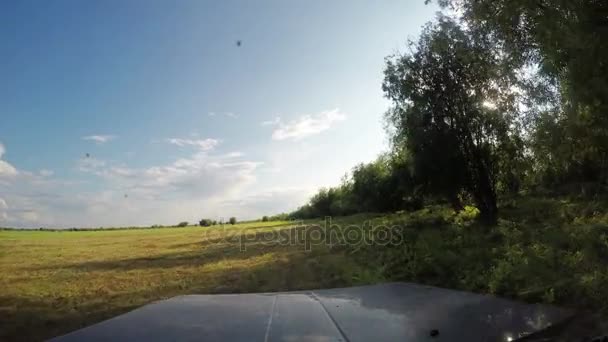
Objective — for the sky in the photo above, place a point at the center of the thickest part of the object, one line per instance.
(141, 112)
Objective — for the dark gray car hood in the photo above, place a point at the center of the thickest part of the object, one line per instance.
(385, 312)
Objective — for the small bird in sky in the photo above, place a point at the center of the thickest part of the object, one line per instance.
(238, 43)
(87, 155)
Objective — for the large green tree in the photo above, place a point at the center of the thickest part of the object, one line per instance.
(561, 46)
(452, 108)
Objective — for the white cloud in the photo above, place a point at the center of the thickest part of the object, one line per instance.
(110, 193)
(122, 171)
(272, 122)
(185, 189)
(3, 210)
(90, 164)
(307, 125)
(30, 216)
(199, 176)
(202, 144)
(99, 139)
(119, 195)
(46, 173)
(234, 154)
(227, 114)
(6, 169)
(29, 194)
(268, 202)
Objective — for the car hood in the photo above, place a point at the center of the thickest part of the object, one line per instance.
(384, 312)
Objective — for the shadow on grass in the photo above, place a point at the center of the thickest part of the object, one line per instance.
(36, 318)
(27, 319)
(208, 251)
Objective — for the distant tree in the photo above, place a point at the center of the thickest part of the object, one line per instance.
(232, 220)
(264, 218)
(279, 217)
(214, 222)
(183, 224)
(205, 222)
(383, 185)
(321, 202)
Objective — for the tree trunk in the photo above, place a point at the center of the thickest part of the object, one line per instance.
(482, 185)
(485, 196)
(456, 203)
(488, 211)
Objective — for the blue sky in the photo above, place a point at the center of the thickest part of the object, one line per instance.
(142, 112)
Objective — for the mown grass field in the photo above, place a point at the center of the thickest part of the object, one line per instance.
(542, 250)
(56, 282)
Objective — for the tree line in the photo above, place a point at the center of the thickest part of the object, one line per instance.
(496, 97)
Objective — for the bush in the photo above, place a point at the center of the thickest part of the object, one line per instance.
(264, 218)
(279, 217)
(182, 224)
(205, 222)
(232, 220)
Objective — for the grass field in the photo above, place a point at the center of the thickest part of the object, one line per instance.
(55, 282)
(542, 250)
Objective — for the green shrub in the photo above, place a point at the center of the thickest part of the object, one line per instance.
(205, 222)
(533, 254)
(467, 215)
(183, 224)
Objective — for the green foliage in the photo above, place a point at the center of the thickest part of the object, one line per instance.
(468, 214)
(383, 185)
(560, 47)
(279, 217)
(557, 258)
(232, 220)
(264, 218)
(182, 224)
(205, 222)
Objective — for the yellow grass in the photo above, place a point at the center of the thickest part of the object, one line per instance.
(56, 282)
